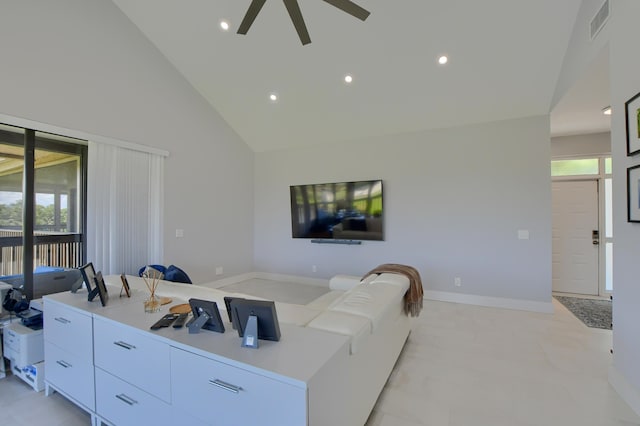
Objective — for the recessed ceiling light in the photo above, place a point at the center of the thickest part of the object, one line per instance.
(224, 25)
(273, 97)
(348, 78)
(443, 60)
(606, 110)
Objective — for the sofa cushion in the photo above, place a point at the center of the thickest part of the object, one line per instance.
(343, 282)
(299, 315)
(354, 326)
(324, 301)
(398, 280)
(175, 274)
(378, 303)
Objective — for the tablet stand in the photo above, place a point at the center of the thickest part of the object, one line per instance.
(250, 339)
(196, 325)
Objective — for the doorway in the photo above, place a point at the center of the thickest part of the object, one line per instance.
(576, 237)
(581, 204)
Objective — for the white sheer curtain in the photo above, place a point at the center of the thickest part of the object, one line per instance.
(124, 208)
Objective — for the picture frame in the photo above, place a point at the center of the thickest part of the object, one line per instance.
(633, 194)
(88, 275)
(102, 289)
(632, 117)
(125, 285)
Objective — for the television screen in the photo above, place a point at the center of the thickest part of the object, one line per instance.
(341, 211)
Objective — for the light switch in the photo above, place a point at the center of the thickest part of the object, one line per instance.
(179, 233)
(523, 234)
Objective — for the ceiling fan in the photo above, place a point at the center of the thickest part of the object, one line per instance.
(296, 15)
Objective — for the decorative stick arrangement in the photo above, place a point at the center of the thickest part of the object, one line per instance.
(152, 304)
(155, 278)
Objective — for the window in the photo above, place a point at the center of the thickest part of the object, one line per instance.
(581, 167)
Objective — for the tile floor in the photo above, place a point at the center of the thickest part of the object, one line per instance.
(469, 365)
(462, 366)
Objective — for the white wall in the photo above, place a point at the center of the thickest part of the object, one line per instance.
(581, 145)
(621, 35)
(625, 69)
(454, 201)
(81, 65)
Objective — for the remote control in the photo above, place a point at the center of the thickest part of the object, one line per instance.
(165, 321)
(180, 321)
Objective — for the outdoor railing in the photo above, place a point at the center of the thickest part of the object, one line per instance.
(51, 249)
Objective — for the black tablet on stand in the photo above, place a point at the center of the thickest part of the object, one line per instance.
(205, 315)
(255, 319)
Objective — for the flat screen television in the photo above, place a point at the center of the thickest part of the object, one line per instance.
(339, 210)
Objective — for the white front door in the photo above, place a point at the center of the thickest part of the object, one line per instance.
(575, 256)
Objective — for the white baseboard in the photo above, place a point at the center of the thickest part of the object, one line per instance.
(627, 392)
(268, 276)
(493, 302)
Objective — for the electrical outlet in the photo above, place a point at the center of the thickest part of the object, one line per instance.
(314, 268)
(219, 270)
(179, 233)
(457, 281)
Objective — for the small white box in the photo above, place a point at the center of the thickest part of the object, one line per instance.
(22, 345)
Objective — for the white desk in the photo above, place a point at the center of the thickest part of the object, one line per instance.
(107, 361)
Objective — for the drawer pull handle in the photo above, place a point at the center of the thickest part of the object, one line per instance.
(226, 386)
(124, 345)
(63, 363)
(62, 320)
(124, 398)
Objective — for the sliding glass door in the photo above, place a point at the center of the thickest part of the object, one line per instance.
(42, 201)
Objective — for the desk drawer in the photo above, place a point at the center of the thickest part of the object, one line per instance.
(69, 329)
(221, 394)
(129, 354)
(123, 404)
(71, 374)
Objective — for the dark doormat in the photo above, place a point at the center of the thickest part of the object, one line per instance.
(594, 313)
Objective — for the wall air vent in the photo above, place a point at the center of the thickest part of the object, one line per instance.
(599, 21)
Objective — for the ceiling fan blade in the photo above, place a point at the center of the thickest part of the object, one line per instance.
(298, 21)
(351, 8)
(250, 16)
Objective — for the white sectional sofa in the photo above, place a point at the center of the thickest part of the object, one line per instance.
(369, 312)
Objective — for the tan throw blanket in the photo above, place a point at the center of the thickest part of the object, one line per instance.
(413, 296)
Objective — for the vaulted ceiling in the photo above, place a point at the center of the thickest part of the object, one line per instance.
(505, 57)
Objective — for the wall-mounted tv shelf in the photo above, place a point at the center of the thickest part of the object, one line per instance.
(348, 242)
